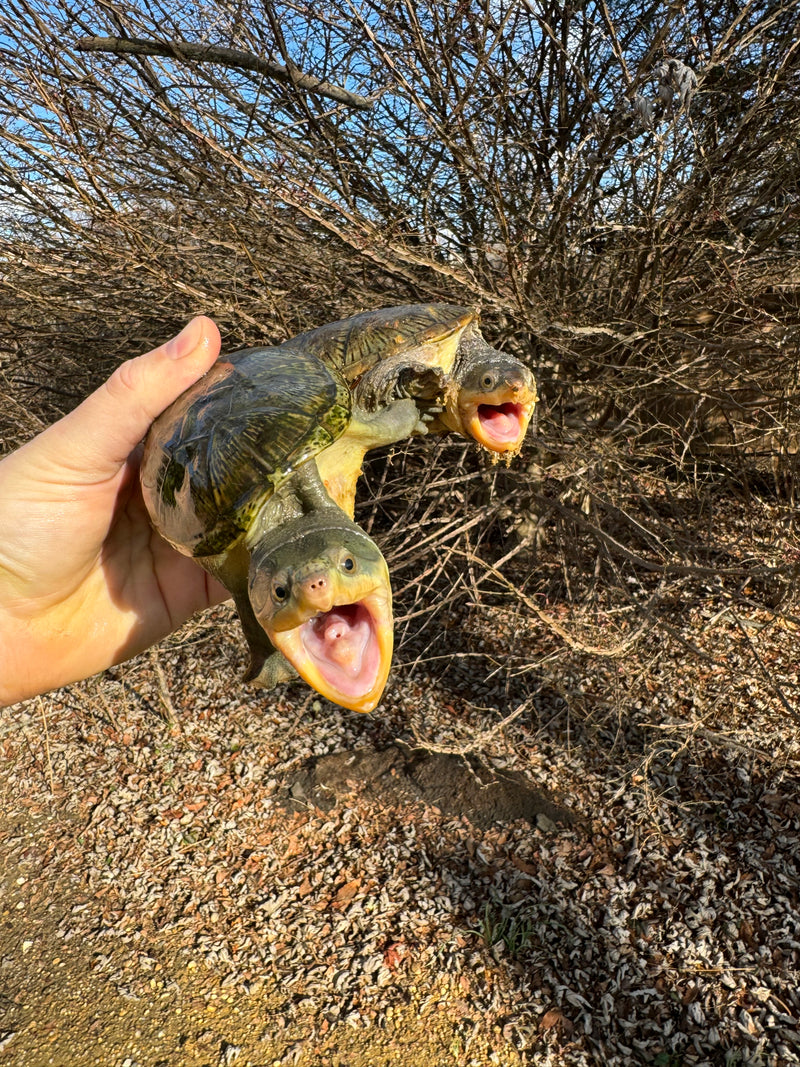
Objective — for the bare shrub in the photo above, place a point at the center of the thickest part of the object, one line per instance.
(615, 185)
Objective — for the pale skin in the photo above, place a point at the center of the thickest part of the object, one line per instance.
(85, 582)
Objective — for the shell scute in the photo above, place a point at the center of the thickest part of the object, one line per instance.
(357, 344)
(214, 457)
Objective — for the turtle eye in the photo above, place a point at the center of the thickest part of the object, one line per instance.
(348, 564)
(487, 382)
(280, 592)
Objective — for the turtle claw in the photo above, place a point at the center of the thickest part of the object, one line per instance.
(431, 412)
(420, 382)
(412, 380)
(270, 672)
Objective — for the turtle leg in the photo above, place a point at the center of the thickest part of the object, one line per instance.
(267, 667)
(273, 670)
(420, 382)
(397, 379)
(394, 422)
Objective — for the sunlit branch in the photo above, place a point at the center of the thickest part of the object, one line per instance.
(228, 57)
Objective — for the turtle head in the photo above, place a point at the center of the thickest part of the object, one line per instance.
(491, 399)
(320, 589)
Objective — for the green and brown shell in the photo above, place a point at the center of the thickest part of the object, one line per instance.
(218, 453)
(356, 344)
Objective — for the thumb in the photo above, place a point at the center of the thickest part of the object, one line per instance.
(99, 435)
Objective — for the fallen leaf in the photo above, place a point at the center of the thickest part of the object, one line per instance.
(556, 1020)
(524, 866)
(347, 891)
(394, 954)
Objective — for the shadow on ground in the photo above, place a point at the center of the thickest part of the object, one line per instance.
(399, 774)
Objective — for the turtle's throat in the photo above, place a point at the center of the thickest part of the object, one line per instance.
(497, 422)
(344, 653)
(343, 645)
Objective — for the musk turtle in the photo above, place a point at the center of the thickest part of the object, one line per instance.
(230, 477)
(434, 353)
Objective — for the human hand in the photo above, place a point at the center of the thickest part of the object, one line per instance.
(85, 582)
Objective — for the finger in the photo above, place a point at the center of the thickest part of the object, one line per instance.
(99, 435)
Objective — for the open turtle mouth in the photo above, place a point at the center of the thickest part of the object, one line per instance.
(498, 420)
(499, 427)
(343, 644)
(503, 423)
(344, 653)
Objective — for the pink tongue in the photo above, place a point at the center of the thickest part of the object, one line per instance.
(339, 641)
(501, 421)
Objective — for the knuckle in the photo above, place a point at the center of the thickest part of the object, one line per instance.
(127, 379)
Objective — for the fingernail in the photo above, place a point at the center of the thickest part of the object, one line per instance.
(184, 343)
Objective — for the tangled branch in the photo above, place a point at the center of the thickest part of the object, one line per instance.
(187, 51)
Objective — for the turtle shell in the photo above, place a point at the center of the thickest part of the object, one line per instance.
(355, 345)
(221, 449)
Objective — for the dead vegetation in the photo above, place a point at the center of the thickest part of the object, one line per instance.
(623, 599)
(618, 202)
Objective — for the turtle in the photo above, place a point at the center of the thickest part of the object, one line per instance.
(434, 353)
(230, 477)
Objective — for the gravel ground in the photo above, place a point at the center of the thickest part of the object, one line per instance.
(530, 853)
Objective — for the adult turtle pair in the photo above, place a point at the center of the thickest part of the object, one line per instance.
(253, 472)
